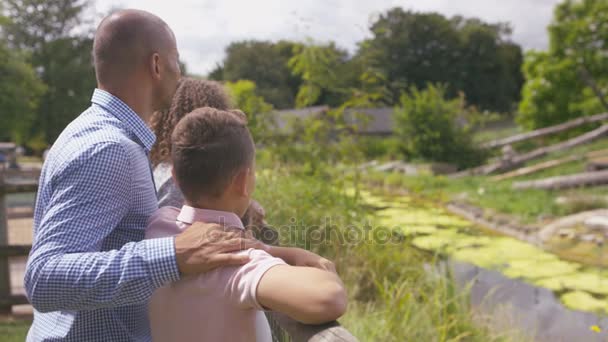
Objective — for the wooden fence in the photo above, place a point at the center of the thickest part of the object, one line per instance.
(7, 298)
(283, 327)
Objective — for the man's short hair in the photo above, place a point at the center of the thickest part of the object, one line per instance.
(209, 147)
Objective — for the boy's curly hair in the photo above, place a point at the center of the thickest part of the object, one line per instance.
(190, 95)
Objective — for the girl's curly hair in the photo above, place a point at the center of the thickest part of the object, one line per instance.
(190, 95)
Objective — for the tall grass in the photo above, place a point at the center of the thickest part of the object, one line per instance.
(395, 294)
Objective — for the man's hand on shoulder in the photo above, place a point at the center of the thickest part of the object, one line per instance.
(203, 247)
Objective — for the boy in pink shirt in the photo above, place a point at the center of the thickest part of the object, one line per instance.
(213, 164)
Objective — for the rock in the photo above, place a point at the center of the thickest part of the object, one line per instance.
(566, 234)
(443, 168)
(387, 167)
(597, 223)
(553, 228)
(368, 165)
(588, 238)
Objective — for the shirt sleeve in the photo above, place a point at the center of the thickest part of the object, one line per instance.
(243, 283)
(65, 270)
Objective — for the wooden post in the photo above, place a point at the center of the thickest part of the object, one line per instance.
(5, 279)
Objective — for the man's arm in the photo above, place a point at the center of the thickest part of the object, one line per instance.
(65, 271)
(306, 294)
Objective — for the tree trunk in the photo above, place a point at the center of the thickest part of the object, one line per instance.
(535, 168)
(563, 182)
(546, 131)
(518, 161)
(550, 164)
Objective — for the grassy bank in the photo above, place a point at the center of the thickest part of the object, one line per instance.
(13, 331)
(529, 206)
(392, 296)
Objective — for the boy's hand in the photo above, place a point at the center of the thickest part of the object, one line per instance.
(203, 247)
(303, 257)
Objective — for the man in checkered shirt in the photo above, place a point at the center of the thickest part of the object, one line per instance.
(90, 273)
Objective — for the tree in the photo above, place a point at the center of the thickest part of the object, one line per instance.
(46, 31)
(264, 63)
(490, 74)
(555, 90)
(245, 97)
(320, 67)
(20, 90)
(412, 49)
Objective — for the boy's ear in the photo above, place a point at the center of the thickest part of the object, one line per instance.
(240, 182)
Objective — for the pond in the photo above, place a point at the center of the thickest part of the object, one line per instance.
(545, 292)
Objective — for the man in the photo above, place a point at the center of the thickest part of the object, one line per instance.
(89, 274)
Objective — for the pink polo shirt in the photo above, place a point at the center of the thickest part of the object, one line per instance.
(219, 305)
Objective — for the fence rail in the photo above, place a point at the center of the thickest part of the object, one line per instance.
(283, 327)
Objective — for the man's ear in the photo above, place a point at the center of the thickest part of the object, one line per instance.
(155, 66)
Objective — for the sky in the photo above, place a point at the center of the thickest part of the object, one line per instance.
(205, 27)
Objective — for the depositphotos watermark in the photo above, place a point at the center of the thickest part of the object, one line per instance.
(327, 232)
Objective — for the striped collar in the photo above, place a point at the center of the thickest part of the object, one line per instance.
(126, 115)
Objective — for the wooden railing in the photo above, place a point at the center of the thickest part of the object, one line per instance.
(283, 328)
(7, 298)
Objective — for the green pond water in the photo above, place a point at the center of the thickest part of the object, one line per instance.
(432, 228)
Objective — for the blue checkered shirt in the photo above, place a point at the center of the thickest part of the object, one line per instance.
(90, 273)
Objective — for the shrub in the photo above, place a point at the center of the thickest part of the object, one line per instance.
(426, 125)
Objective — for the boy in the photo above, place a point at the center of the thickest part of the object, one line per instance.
(213, 158)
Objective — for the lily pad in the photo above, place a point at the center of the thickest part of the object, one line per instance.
(536, 269)
(579, 300)
(441, 240)
(592, 282)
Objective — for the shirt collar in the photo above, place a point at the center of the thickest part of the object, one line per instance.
(126, 115)
(189, 215)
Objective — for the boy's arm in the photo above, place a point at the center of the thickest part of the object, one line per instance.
(306, 294)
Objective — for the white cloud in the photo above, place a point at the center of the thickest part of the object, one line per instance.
(205, 27)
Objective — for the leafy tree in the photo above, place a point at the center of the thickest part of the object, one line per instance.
(327, 74)
(490, 74)
(412, 49)
(556, 88)
(46, 31)
(20, 90)
(245, 97)
(426, 125)
(264, 63)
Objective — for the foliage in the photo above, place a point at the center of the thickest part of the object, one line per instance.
(426, 124)
(14, 331)
(379, 147)
(412, 49)
(62, 58)
(322, 68)
(264, 63)
(389, 301)
(318, 143)
(556, 89)
(20, 92)
(245, 97)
